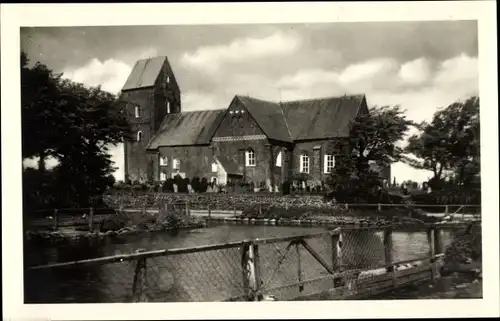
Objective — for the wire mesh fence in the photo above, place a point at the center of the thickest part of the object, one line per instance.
(284, 268)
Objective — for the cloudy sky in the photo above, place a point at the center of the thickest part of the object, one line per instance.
(420, 66)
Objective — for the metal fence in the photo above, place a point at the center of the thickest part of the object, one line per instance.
(343, 262)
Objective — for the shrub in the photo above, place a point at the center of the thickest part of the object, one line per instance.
(137, 187)
(285, 187)
(203, 185)
(183, 187)
(168, 186)
(195, 184)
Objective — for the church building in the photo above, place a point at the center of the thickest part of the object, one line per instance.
(251, 140)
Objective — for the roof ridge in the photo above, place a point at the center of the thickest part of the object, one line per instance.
(322, 98)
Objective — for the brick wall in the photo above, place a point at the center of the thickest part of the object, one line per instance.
(194, 161)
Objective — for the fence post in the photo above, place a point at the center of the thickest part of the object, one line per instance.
(144, 209)
(445, 209)
(139, 284)
(336, 255)
(56, 219)
(256, 263)
(91, 219)
(346, 206)
(245, 271)
(432, 251)
(379, 207)
(299, 267)
(187, 208)
(209, 211)
(388, 249)
(260, 209)
(234, 210)
(438, 245)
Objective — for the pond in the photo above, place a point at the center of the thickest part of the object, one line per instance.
(205, 276)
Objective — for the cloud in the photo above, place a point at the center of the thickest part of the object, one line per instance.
(210, 58)
(458, 73)
(415, 72)
(110, 74)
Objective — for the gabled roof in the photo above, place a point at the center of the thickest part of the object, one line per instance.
(144, 73)
(187, 128)
(304, 119)
(269, 116)
(321, 118)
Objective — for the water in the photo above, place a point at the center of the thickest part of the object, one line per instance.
(205, 276)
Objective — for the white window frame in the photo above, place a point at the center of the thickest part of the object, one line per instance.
(304, 163)
(329, 163)
(137, 111)
(139, 136)
(163, 176)
(214, 167)
(176, 164)
(278, 160)
(164, 161)
(168, 107)
(250, 160)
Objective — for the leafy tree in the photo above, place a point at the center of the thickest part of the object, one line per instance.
(73, 124)
(373, 139)
(449, 143)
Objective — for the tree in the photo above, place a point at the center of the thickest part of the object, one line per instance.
(75, 125)
(449, 143)
(373, 139)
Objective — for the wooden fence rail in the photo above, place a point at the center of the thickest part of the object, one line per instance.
(345, 280)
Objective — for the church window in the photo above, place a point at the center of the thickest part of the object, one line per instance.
(137, 111)
(176, 163)
(168, 79)
(304, 163)
(163, 176)
(139, 136)
(168, 107)
(250, 157)
(278, 160)
(163, 161)
(329, 163)
(214, 167)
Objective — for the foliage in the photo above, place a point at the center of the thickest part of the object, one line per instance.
(196, 184)
(203, 185)
(373, 139)
(73, 124)
(286, 187)
(168, 185)
(450, 142)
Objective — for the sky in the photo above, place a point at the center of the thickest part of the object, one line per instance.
(420, 66)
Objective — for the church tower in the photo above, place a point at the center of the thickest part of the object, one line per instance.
(151, 92)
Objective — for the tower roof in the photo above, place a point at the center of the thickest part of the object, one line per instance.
(144, 73)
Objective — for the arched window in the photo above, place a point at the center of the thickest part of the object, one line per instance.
(304, 163)
(168, 107)
(278, 160)
(163, 161)
(175, 163)
(137, 111)
(139, 136)
(250, 157)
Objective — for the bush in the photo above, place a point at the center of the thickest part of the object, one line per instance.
(196, 184)
(285, 187)
(203, 185)
(168, 186)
